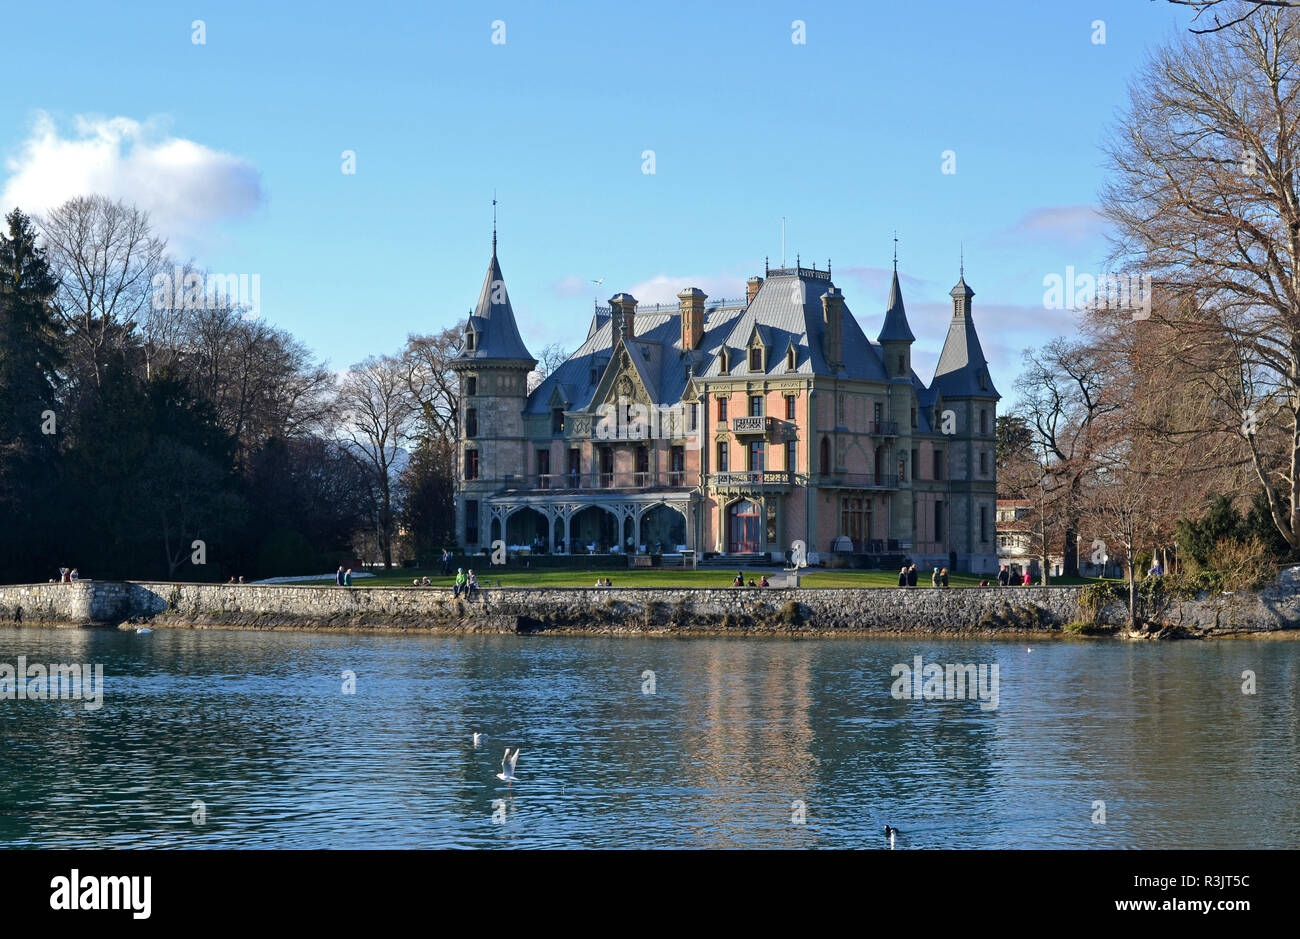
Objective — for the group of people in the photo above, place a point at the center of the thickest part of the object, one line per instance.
(604, 582)
(67, 575)
(466, 583)
(343, 577)
(739, 581)
(421, 582)
(907, 576)
(233, 580)
(1006, 577)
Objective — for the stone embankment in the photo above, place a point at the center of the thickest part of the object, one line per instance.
(686, 611)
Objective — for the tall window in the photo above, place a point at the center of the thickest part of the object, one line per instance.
(469, 342)
(791, 456)
(471, 422)
(575, 466)
(984, 421)
(853, 522)
(606, 467)
(755, 405)
(642, 465)
(471, 463)
(938, 465)
(692, 416)
(676, 466)
(471, 386)
(984, 463)
(723, 456)
(722, 410)
(789, 407)
(824, 457)
(756, 359)
(557, 420)
(984, 523)
(544, 467)
(471, 521)
(916, 464)
(757, 456)
(938, 520)
(900, 365)
(789, 359)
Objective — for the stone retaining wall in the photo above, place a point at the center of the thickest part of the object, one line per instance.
(958, 610)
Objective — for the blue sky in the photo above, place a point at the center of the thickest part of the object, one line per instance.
(236, 147)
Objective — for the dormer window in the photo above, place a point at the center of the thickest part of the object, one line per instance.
(724, 364)
(756, 359)
(470, 340)
(789, 359)
(984, 380)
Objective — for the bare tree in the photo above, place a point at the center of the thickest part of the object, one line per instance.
(376, 410)
(105, 257)
(1236, 10)
(433, 386)
(1204, 199)
(548, 360)
(1062, 398)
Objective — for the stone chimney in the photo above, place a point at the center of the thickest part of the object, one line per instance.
(623, 309)
(751, 288)
(833, 316)
(691, 303)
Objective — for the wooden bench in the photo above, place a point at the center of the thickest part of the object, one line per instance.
(640, 560)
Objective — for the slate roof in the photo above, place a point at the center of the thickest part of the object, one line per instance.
(787, 306)
(494, 321)
(895, 328)
(787, 309)
(962, 362)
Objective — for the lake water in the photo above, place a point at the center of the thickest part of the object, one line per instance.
(257, 727)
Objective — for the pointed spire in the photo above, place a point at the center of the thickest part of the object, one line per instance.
(494, 223)
(962, 371)
(895, 328)
(493, 319)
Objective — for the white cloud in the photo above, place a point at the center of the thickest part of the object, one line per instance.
(1070, 223)
(664, 289)
(185, 186)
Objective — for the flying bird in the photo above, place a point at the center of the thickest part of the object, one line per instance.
(508, 762)
(598, 282)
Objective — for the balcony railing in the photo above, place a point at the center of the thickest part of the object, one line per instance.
(884, 428)
(589, 481)
(749, 425)
(857, 480)
(751, 479)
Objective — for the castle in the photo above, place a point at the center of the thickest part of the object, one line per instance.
(732, 427)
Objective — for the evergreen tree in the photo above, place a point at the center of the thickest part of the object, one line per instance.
(30, 357)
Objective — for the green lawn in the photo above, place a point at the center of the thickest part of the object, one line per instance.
(661, 578)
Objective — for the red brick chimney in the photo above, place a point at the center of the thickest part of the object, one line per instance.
(691, 303)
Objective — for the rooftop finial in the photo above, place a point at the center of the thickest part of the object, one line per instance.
(962, 269)
(895, 250)
(494, 222)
